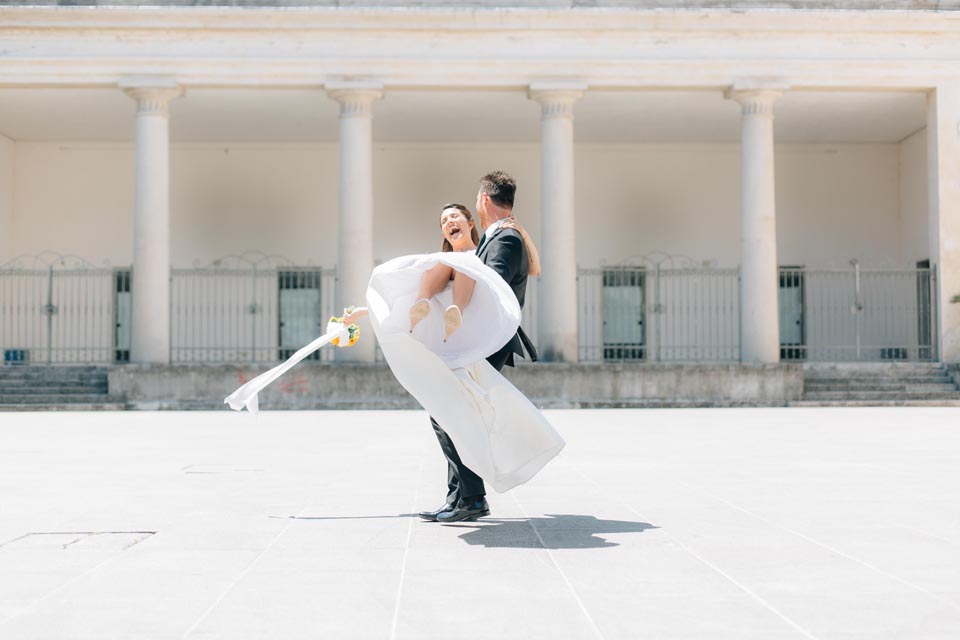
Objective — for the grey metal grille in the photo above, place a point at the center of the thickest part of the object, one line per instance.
(248, 308)
(857, 314)
(258, 308)
(57, 309)
(658, 313)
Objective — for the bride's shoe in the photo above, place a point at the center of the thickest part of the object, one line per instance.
(452, 319)
(419, 311)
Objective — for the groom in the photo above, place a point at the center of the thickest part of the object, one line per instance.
(502, 250)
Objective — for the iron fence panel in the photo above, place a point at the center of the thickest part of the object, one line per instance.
(57, 309)
(861, 314)
(651, 313)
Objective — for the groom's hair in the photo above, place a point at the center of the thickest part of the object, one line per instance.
(501, 187)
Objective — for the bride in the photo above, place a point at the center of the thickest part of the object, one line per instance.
(438, 317)
(500, 436)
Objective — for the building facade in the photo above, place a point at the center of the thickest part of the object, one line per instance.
(706, 181)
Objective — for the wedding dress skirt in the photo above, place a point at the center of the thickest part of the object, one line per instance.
(497, 431)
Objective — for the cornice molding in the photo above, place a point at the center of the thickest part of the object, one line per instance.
(480, 19)
(513, 75)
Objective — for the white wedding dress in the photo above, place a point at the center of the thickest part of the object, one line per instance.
(498, 432)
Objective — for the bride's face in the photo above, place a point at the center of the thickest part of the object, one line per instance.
(455, 226)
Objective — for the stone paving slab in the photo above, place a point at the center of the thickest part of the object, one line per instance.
(695, 523)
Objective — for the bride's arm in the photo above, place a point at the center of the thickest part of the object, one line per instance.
(533, 256)
(351, 318)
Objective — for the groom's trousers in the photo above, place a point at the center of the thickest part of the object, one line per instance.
(463, 485)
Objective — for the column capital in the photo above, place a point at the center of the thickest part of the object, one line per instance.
(153, 94)
(756, 97)
(355, 98)
(556, 98)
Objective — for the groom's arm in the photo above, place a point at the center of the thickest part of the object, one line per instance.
(506, 254)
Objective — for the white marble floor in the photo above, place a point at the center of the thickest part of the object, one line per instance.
(664, 524)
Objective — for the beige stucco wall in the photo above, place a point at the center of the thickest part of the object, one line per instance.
(835, 202)
(7, 148)
(914, 212)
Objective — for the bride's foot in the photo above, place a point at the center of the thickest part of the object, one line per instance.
(419, 311)
(452, 319)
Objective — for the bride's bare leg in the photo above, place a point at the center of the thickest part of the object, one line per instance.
(432, 282)
(463, 287)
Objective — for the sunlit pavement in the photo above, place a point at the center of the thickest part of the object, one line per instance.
(661, 524)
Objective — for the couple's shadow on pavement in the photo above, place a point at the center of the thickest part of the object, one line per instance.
(550, 532)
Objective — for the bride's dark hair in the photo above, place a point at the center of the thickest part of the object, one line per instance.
(474, 235)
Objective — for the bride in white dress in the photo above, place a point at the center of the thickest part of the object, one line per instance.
(437, 350)
(498, 432)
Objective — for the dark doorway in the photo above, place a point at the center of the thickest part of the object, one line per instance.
(792, 329)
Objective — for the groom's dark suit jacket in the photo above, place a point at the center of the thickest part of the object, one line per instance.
(504, 252)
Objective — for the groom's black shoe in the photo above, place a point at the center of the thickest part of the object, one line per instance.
(471, 511)
(432, 515)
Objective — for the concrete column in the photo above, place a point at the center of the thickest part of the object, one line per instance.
(759, 277)
(943, 175)
(355, 235)
(150, 286)
(558, 251)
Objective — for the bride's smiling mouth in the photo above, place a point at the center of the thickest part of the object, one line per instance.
(453, 231)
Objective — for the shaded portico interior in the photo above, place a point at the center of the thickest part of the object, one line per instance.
(656, 172)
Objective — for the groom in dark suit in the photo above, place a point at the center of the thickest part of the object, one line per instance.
(502, 250)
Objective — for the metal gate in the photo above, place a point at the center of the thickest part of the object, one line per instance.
(661, 308)
(251, 307)
(858, 314)
(57, 309)
(675, 309)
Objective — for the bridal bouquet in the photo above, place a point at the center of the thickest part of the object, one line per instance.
(354, 330)
(246, 395)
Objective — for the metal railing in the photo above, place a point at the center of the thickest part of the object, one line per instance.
(57, 309)
(666, 309)
(856, 314)
(257, 308)
(248, 308)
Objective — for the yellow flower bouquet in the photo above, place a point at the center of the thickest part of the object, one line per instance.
(353, 329)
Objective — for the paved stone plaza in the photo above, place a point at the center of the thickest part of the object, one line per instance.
(729, 523)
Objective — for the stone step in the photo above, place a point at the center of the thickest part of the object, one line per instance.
(856, 373)
(878, 386)
(874, 375)
(48, 374)
(21, 369)
(87, 406)
(870, 366)
(10, 389)
(881, 395)
(874, 403)
(881, 380)
(53, 398)
(23, 382)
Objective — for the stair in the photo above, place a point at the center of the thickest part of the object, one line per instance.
(919, 384)
(53, 388)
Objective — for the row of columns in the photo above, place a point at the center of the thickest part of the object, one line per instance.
(759, 306)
